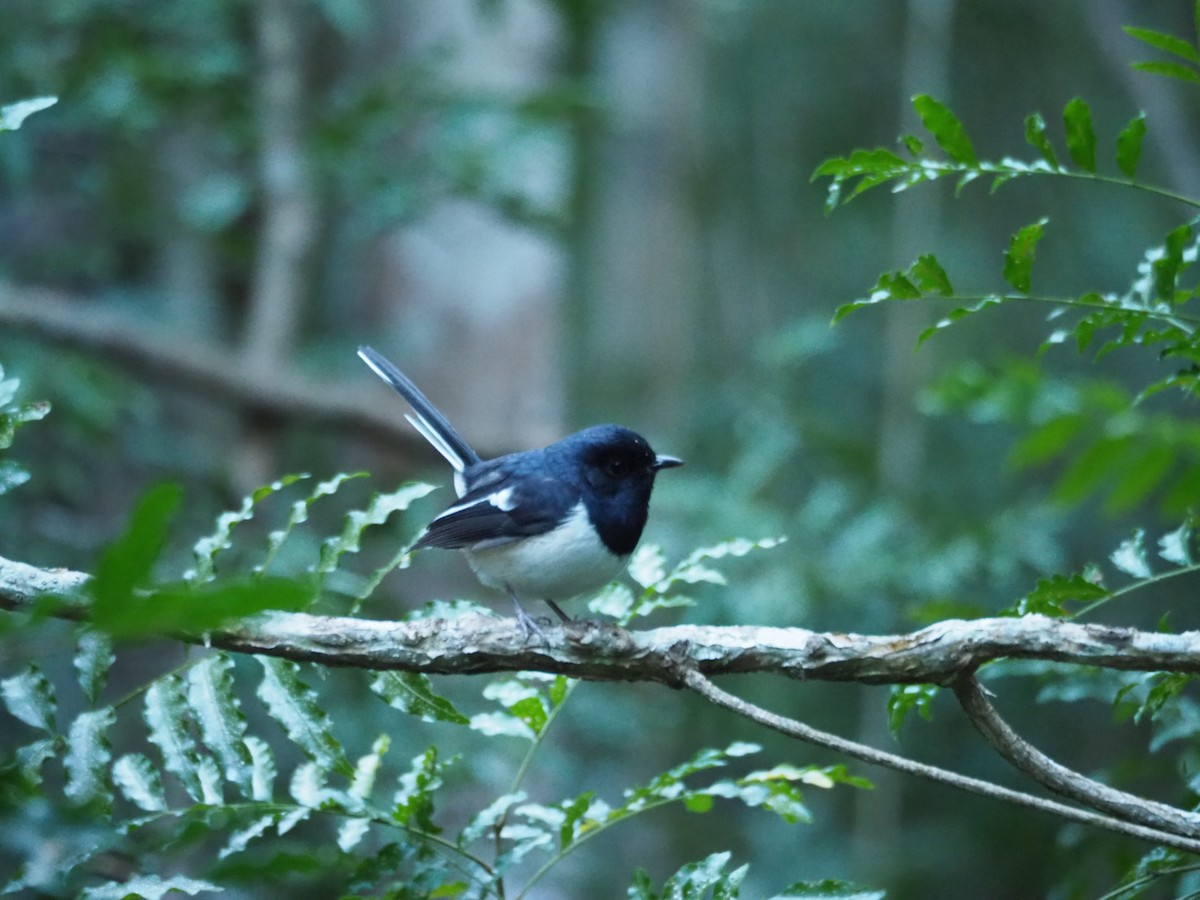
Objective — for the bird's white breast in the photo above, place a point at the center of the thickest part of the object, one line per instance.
(560, 564)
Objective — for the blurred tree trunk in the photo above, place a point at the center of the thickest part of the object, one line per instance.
(288, 205)
(900, 458)
(188, 270)
(288, 228)
(636, 253)
(470, 298)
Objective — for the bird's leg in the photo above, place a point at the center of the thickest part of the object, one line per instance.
(528, 623)
(563, 617)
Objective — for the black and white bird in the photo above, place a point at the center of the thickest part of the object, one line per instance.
(550, 523)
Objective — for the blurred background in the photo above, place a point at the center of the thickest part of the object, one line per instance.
(557, 212)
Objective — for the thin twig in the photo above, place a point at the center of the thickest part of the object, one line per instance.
(1058, 778)
(792, 728)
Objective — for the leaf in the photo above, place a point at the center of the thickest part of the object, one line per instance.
(367, 768)
(1129, 145)
(1166, 42)
(93, 659)
(1018, 260)
(1130, 557)
(1169, 70)
(1035, 135)
(412, 692)
(87, 758)
(307, 786)
(1165, 266)
(413, 801)
(149, 887)
(957, 314)
(30, 697)
(526, 709)
(351, 832)
(208, 548)
(243, 836)
(930, 277)
(1150, 468)
(294, 705)
(126, 564)
(1051, 594)
(357, 521)
(140, 782)
(946, 129)
(299, 514)
(693, 881)
(829, 889)
(13, 417)
(14, 115)
(905, 698)
(262, 769)
(12, 476)
(772, 789)
(1081, 139)
(1176, 546)
(31, 758)
(166, 716)
(218, 713)
(487, 818)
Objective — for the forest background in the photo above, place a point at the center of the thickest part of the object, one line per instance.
(557, 213)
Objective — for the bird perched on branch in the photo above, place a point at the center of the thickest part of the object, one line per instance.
(550, 523)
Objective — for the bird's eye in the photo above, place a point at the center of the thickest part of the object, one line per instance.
(615, 468)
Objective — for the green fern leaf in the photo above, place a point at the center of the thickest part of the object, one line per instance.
(1129, 145)
(262, 769)
(166, 716)
(219, 715)
(140, 782)
(357, 521)
(293, 704)
(93, 658)
(411, 692)
(1081, 139)
(149, 887)
(87, 758)
(946, 129)
(1018, 260)
(30, 697)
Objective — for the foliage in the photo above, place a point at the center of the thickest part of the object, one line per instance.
(215, 786)
(1110, 442)
(14, 415)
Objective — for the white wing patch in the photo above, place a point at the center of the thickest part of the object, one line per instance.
(502, 500)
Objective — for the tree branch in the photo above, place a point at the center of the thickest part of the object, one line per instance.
(280, 393)
(601, 651)
(684, 656)
(1058, 778)
(798, 730)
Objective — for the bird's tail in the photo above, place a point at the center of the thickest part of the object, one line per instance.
(434, 426)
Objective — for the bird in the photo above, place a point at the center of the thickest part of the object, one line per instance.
(550, 523)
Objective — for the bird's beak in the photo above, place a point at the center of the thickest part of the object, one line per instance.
(666, 462)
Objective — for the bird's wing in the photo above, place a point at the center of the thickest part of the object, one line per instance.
(494, 515)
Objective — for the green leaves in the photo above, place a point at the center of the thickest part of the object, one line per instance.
(412, 693)
(294, 705)
(1186, 66)
(1081, 139)
(1036, 137)
(1129, 145)
(866, 169)
(946, 129)
(1018, 261)
(13, 416)
(648, 568)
